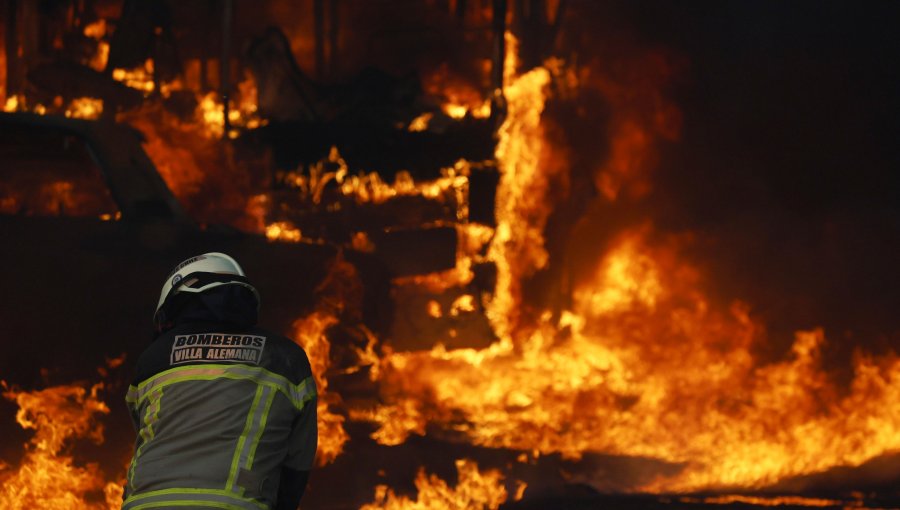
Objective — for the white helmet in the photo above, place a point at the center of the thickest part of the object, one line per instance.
(200, 274)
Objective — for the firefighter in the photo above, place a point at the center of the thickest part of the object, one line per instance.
(225, 412)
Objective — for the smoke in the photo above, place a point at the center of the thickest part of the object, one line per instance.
(762, 144)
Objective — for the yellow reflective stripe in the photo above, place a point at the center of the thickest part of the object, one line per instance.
(259, 430)
(248, 424)
(185, 497)
(166, 504)
(151, 416)
(298, 394)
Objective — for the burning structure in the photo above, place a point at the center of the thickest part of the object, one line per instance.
(565, 264)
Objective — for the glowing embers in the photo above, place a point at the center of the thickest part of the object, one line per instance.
(475, 490)
(48, 475)
(283, 231)
(457, 97)
(369, 188)
(650, 368)
(85, 108)
(78, 108)
(791, 501)
(139, 78)
(242, 114)
(97, 31)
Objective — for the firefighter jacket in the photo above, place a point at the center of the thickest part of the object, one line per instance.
(219, 410)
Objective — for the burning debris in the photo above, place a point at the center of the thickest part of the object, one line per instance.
(535, 307)
(474, 491)
(48, 475)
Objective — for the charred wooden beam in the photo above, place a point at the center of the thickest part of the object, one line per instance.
(224, 69)
(498, 55)
(485, 279)
(482, 195)
(13, 84)
(70, 80)
(407, 252)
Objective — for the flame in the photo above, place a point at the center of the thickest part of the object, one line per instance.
(522, 205)
(199, 170)
(241, 114)
(642, 364)
(140, 78)
(283, 231)
(773, 501)
(420, 123)
(475, 490)
(458, 98)
(97, 31)
(85, 108)
(462, 304)
(48, 476)
(79, 108)
(458, 111)
(177, 163)
(369, 188)
(11, 104)
(310, 333)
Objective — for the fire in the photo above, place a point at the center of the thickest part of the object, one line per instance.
(522, 207)
(773, 501)
(370, 188)
(48, 476)
(619, 374)
(283, 231)
(459, 111)
(475, 490)
(97, 31)
(642, 364)
(85, 108)
(458, 98)
(420, 123)
(241, 114)
(140, 78)
(309, 333)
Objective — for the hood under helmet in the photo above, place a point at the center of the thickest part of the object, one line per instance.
(194, 276)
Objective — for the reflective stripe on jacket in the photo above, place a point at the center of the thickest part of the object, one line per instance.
(219, 412)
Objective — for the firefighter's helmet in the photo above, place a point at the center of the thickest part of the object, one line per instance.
(200, 274)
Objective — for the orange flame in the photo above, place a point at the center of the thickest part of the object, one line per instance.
(140, 78)
(48, 476)
(643, 364)
(283, 231)
(309, 333)
(97, 30)
(772, 501)
(475, 490)
(85, 108)
(522, 209)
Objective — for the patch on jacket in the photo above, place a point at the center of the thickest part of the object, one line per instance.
(217, 347)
